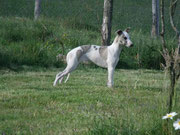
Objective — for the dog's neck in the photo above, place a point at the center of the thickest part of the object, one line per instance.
(116, 45)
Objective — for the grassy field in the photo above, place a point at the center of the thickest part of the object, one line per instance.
(29, 104)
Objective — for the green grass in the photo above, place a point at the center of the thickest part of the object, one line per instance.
(136, 14)
(29, 104)
(26, 42)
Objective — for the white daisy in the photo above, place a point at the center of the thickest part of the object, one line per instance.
(169, 115)
(176, 124)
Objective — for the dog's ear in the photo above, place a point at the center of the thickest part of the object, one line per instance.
(119, 32)
(127, 29)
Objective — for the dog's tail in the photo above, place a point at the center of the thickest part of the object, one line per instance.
(61, 57)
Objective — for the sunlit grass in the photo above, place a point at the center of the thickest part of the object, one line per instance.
(29, 104)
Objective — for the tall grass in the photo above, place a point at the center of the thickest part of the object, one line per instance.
(74, 23)
(25, 42)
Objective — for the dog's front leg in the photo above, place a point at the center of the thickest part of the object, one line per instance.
(110, 77)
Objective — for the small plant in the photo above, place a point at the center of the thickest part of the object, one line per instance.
(169, 115)
(176, 124)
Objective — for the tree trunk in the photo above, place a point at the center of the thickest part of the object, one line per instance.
(37, 9)
(155, 18)
(172, 87)
(162, 27)
(179, 43)
(174, 62)
(107, 18)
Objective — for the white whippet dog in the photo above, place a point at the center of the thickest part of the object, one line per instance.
(103, 56)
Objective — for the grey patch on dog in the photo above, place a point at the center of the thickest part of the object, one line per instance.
(117, 39)
(85, 48)
(79, 53)
(95, 47)
(120, 39)
(103, 52)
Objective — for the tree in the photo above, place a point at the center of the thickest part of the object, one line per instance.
(37, 9)
(107, 18)
(155, 18)
(172, 60)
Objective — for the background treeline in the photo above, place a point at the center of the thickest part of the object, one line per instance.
(71, 23)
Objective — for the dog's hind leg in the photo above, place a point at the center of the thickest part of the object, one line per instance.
(60, 80)
(59, 74)
(60, 77)
(71, 67)
(57, 78)
(67, 78)
(72, 63)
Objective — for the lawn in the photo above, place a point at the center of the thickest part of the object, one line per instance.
(29, 104)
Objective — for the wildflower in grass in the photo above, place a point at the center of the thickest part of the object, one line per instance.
(176, 124)
(169, 115)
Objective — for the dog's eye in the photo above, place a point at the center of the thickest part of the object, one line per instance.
(125, 38)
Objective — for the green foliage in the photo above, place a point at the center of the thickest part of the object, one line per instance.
(25, 42)
(73, 23)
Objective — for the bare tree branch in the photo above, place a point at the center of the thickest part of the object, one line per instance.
(171, 14)
(162, 26)
(173, 4)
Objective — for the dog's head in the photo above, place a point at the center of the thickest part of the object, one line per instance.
(123, 38)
